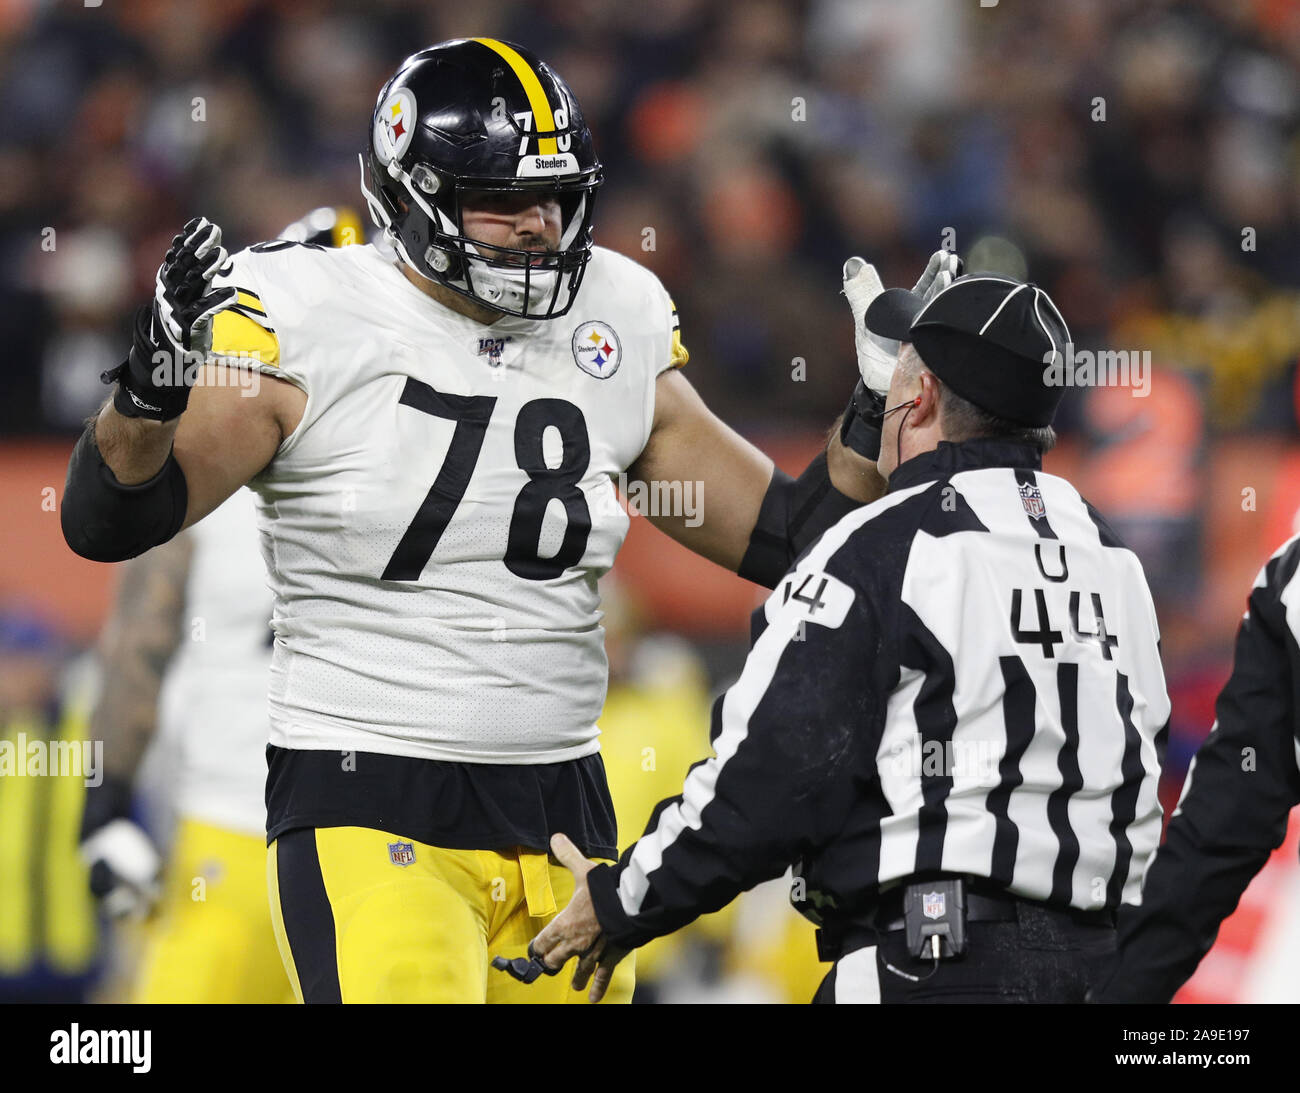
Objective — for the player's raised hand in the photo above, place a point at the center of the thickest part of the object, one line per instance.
(173, 333)
(184, 300)
(941, 271)
(878, 356)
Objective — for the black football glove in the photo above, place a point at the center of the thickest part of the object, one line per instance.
(172, 335)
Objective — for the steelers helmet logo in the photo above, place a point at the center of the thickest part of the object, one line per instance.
(395, 125)
(596, 349)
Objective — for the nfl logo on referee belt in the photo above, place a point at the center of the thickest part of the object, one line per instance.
(401, 853)
(933, 904)
(1033, 501)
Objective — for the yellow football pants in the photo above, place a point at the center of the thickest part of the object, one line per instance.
(364, 916)
(211, 939)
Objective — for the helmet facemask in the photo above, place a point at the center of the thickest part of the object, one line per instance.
(430, 237)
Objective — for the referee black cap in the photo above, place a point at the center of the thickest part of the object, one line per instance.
(990, 338)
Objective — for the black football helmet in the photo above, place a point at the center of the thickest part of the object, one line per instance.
(481, 114)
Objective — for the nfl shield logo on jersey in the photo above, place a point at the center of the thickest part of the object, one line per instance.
(401, 853)
(596, 349)
(933, 904)
(1032, 500)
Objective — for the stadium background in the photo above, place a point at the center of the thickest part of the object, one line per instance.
(1139, 160)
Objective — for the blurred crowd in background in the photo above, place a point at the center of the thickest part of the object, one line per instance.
(1113, 150)
(1140, 160)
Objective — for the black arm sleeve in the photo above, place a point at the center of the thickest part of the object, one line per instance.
(106, 521)
(794, 514)
(1243, 783)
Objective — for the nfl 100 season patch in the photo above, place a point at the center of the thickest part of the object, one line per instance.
(492, 349)
(596, 349)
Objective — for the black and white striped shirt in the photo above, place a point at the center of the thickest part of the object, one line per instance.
(963, 676)
(1238, 795)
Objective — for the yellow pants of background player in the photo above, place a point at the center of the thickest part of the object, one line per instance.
(359, 917)
(212, 938)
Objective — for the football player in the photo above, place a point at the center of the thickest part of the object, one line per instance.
(433, 440)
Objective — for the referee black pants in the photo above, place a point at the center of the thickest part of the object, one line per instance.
(1045, 955)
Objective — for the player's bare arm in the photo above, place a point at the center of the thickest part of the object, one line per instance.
(225, 437)
(689, 443)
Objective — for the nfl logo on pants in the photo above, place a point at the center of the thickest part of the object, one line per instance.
(401, 853)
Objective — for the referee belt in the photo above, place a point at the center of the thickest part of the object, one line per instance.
(985, 902)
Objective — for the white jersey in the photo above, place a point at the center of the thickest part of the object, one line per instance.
(435, 526)
(212, 711)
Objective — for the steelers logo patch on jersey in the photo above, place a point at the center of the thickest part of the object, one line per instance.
(395, 125)
(596, 349)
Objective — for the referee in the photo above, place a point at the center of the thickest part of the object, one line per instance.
(950, 722)
(1241, 787)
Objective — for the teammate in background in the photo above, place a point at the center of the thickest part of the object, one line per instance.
(433, 449)
(186, 655)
